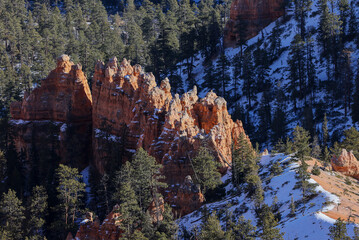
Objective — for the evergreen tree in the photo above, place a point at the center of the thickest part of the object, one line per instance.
(351, 141)
(338, 231)
(325, 131)
(316, 151)
(11, 216)
(292, 207)
(37, 210)
(211, 229)
(296, 64)
(222, 75)
(301, 9)
(129, 208)
(353, 23)
(240, 229)
(3, 164)
(355, 106)
(301, 143)
(268, 224)
(248, 77)
(205, 169)
(70, 190)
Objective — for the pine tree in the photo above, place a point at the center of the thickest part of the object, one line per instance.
(211, 229)
(292, 207)
(353, 23)
(37, 210)
(338, 231)
(248, 77)
(301, 143)
(268, 224)
(343, 16)
(129, 208)
(325, 131)
(205, 169)
(316, 150)
(3, 165)
(355, 105)
(145, 178)
(222, 75)
(351, 141)
(240, 229)
(302, 7)
(70, 190)
(12, 215)
(297, 64)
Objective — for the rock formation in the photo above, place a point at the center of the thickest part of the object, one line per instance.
(57, 115)
(346, 163)
(92, 229)
(188, 198)
(129, 105)
(127, 111)
(252, 16)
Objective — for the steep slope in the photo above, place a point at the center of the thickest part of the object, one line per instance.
(312, 219)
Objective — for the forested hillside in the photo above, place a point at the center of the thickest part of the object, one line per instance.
(149, 119)
(295, 71)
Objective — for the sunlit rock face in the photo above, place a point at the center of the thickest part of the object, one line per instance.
(56, 116)
(346, 163)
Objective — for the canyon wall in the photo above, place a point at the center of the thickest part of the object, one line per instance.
(251, 16)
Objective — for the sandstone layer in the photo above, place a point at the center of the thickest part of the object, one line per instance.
(251, 15)
(57, 115)
(347, 164)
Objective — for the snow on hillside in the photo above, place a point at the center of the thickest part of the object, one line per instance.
(279, 74)
(309, 222)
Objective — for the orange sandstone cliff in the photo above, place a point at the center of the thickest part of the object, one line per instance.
(57, 115)
(254, 15)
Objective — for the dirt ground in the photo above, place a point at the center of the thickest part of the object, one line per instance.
(346, 188)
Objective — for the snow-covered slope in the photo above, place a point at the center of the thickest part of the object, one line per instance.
(310, 222)
(279, 77)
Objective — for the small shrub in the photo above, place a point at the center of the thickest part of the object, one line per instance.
(347, 181)
(316, 170)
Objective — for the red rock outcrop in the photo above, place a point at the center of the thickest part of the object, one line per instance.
(92, 229)
(188, 198)
(346, 163)
(130, 109)
(254, 14)
(126, 100)
(62, 106)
